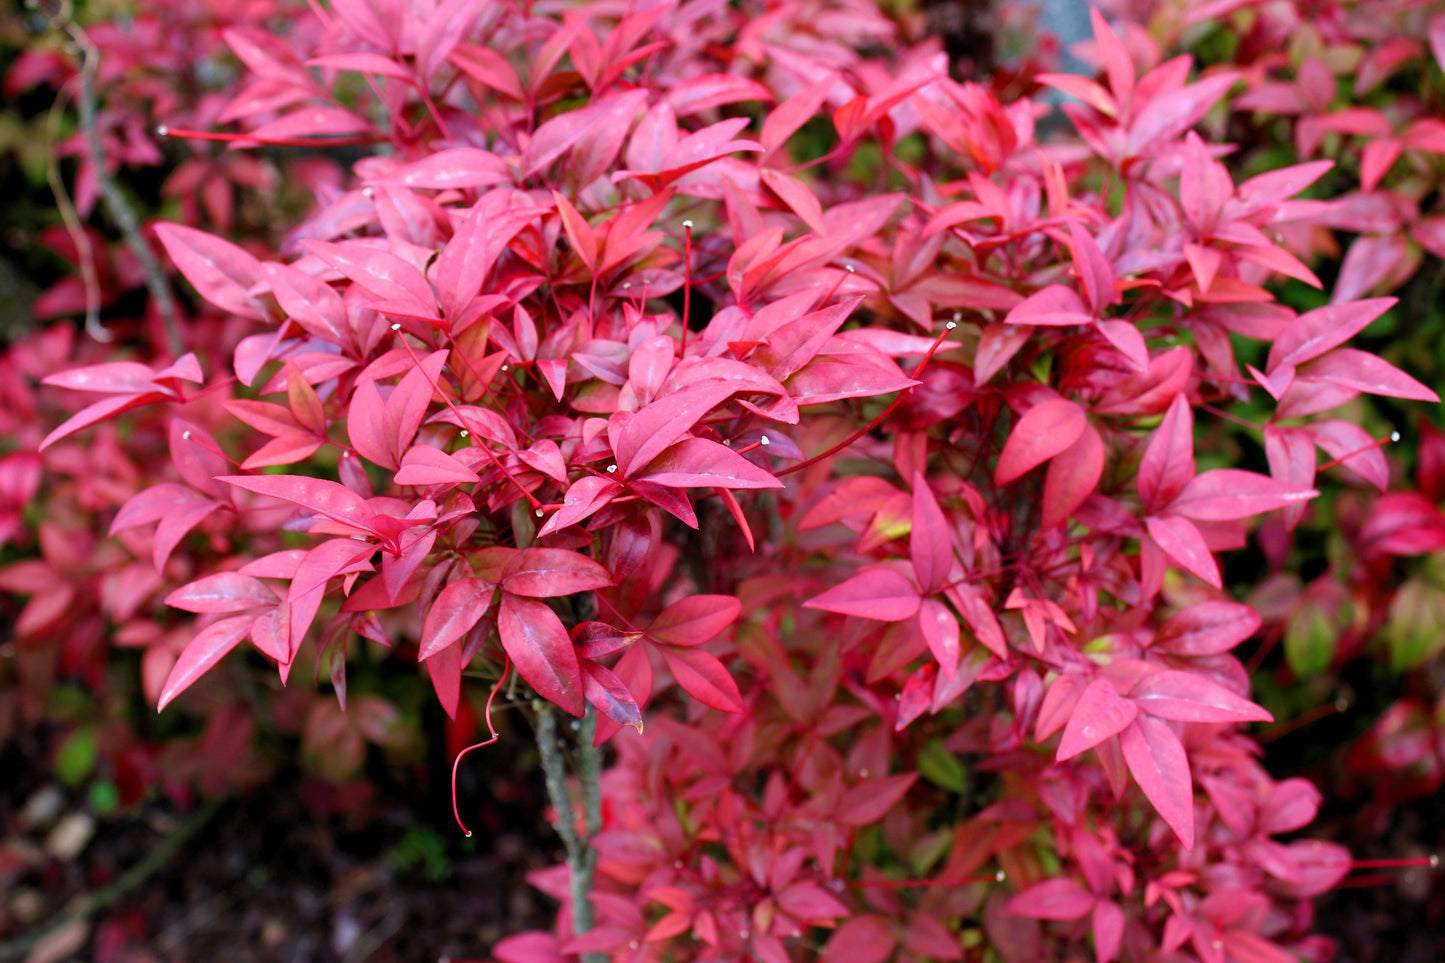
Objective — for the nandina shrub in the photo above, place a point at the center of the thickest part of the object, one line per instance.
(753, 354)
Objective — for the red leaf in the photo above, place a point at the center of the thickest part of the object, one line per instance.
(1072, 477)
(1157, 761)
(445, 670)
(1207, 628)
(1099, 714)
(1059, 898)
(871, 799)
(1044, 431)
(222, 592)
(876, 593)
(202, 652)
(930, 541)
(1054, 306)
(553, 572)
(1187, 697)
(1228, 493)
(584, 497)
(539, 647)
(381, 273)
(457, 608)
(704, 677)
(694, 620)
(940, 629)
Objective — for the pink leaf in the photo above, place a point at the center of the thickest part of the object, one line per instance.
(930, 542)
(455, 168)
(1315, 332)
(424, 465)
(1059, 898)
(1168, 462)
(1228, 493)
(863, 939)
(878, 593)
(220, 271)
(644, 436)
(445, 669)
(554, 572)
(694, 620)
(1157, 761)
(940, 629)
(1207, 628)
(202, 652)
(316, 495)
(1363, 371)
(704, 677)
(538, 646)
(1099, 714)
(871, 799)
(700, 463)
(1044, 431)
(1108, 930)
(222, 592)
(1181, 541)
(1072, 476)
(1187, 697)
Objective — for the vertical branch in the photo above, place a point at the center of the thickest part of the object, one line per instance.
(115, 201)
(581, 858)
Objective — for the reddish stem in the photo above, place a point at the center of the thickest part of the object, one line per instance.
(167, 131)
(909, 883)
(477, 745)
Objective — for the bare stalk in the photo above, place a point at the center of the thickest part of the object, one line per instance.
(581, 857)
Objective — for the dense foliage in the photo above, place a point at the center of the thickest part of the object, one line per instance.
(856, 458)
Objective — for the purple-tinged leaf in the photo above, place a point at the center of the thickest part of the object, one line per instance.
(424, 465)
(1362, 371)
(605, 691)
(452, 169)
(940, 630)
(316, 495)
(1072, 477)
(700, 463)
(871, 799)
(647, 433)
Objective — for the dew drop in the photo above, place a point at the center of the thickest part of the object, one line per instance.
(687, 225)
(764, 441)
(958, 316)
(1434, 860)
(1000, 876)
(538, 512)
(1394, 436)
(368, 192)
(611, 469)
(465, 433)
(850, 269)
(163, 131)
(950, 326)
(396, 326)
(186, 435)
(506, 367)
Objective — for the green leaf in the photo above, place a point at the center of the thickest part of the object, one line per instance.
(941, 767)
(76, 757)
(1309, 641)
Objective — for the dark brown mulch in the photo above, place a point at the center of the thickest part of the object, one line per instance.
(267, 878)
